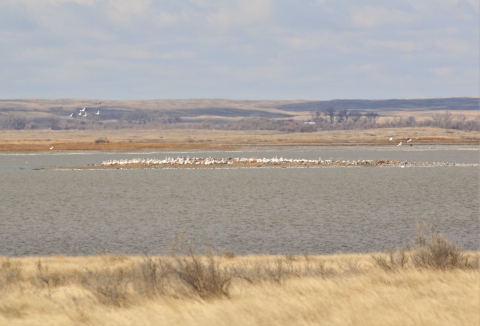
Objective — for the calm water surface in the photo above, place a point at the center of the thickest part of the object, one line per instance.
(266, 210)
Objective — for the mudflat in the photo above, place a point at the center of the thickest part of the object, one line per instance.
(173, 139)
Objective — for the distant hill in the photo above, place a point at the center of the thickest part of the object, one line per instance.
(42, 111)
(454, 103)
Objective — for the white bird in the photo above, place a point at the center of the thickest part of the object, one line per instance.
(85, 114)
(51, 148)
(71, 114)
(80, 113)
(400, 144)
(98, 112)
(409, 140)
(83, 110)
(390, 139)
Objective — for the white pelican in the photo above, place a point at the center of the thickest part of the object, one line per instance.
(71, 115)
(51, 148)
(400, 144)
(98, 112)
(83, 110)
(85, 114)
(80, 113)
(390, 139)
(409, 140)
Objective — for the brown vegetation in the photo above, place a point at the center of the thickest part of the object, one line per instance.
(423, 285)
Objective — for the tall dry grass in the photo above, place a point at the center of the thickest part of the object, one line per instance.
(430, 282)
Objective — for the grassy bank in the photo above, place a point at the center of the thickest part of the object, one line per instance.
(431, 282)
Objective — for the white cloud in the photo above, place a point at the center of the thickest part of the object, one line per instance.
(124, 11)
(54, 2)
(404, 46)
(369, 17)
(240, 13)
(238, 47)
(176, 55)
(475, 4)
(442, 71)
(365, 68)
(453, 46)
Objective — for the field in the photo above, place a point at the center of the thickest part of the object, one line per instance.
(432, 283)
(170, 139)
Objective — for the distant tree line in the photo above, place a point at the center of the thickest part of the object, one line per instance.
(328, 119)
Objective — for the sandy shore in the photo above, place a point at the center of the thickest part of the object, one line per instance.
(129, 139)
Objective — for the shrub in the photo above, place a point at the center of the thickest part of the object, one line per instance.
(432, 250)
(436, 251)
(201, 274)
(103, 140)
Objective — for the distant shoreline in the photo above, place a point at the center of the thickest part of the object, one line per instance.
(193, 139)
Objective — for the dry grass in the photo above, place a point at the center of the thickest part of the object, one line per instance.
(210, 289)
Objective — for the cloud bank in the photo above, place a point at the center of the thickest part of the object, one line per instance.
(263, 49)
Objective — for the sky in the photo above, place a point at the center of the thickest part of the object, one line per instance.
(239, 49)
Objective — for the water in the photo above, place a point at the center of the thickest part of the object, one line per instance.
(246, 211)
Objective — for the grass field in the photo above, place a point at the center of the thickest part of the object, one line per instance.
(433, 283)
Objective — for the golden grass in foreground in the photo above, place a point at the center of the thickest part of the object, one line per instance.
(434, 283)
(352, 292)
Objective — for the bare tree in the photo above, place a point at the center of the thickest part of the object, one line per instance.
(447, 119)
(316, 117)
(411, 121)
(437, 119)
(53, 123)
(372, 115)
(13, 121)
(342, 115)
(355, 116)
(330, 112)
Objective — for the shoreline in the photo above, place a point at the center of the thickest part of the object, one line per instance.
(179, 146)
(185, 139)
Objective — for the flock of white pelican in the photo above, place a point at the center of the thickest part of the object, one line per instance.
(244, 161)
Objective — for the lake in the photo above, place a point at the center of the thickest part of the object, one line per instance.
(245, 211)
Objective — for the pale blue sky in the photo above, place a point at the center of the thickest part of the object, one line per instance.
(243, 49)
